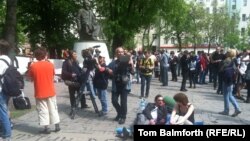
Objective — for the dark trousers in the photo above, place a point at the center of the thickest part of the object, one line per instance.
(220, 78)
(147, 79)
(121, 109)
(248, 91)
(184, 80)
(192, 76)
(173, 71)
(215, 77)
(73, 92)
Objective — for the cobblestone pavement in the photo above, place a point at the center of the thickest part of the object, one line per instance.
(88, 126)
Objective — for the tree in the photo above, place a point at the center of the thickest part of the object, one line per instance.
(178, 17)
(9, 30)
(51, 23)
(122, 19)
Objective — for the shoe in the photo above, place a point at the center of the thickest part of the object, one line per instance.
(122, 121)
(184, 90)
(45, 131)
(57, 127)
(223, 113)
(247, 101)
(102, 113)
(240, 98)
(85, 106)
(236, 113)
(117, 118)
(194, 87)
(72, 114)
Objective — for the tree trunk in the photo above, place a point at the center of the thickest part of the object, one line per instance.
(179, 41)
(9, 31)
(117, 42)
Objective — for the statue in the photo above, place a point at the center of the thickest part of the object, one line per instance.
(88, 28)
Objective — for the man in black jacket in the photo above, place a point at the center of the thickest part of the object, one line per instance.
(154, 113)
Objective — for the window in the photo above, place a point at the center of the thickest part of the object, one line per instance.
(245, 3)
(166, 40)
(172, 40)
(208, 10)
(243, 30)
(234, 6)
(214, 10)
(243, 17)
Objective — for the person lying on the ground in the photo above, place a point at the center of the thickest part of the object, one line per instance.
(183, 112)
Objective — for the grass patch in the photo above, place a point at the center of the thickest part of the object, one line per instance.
(18, 113)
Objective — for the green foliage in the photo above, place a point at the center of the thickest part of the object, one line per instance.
(124, 18)
(49, 22)
(2, 15)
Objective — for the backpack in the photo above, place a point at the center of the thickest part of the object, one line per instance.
(12, 81)
(229, 74)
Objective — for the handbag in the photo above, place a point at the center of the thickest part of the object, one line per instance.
(21, 102)
(72, 83)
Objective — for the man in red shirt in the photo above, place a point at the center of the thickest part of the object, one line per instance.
(42, 72)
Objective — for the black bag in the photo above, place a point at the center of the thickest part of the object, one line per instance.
(21, 103)
(74, 84)
(12, 81)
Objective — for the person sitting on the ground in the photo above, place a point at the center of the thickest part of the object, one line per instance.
(183, 112)
(154, 113)
(170, 103)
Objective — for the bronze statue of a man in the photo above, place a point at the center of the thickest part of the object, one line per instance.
(88, 27)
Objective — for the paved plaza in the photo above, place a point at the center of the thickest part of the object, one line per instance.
(88, 126)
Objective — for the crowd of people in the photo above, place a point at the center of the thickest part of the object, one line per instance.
(127, 68)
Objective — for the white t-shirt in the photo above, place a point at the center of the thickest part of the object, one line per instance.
(3, 67)
(243, 65)
(154, 113)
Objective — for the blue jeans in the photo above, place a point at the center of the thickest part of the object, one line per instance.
(146, 78)
(228, 96)
(4, 117)
(102, 95)
(164, 75)
(90, 87)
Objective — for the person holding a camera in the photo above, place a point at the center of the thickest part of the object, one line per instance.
(146, 69)
(71, 72)
(121, 68)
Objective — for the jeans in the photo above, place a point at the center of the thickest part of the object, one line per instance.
(164, 75)
(4, 117)
(121, 108)
(228, 89)
(146, 78)
(102, 95)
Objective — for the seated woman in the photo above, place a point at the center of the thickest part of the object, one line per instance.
(183, 112)
(154, 113)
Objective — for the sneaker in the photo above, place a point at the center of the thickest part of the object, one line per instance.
(117, 118)
(57, 127)
(45, 131)
(85, 106)
(224, 113)
(102, 113)
(236, 113)
(122, 120)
